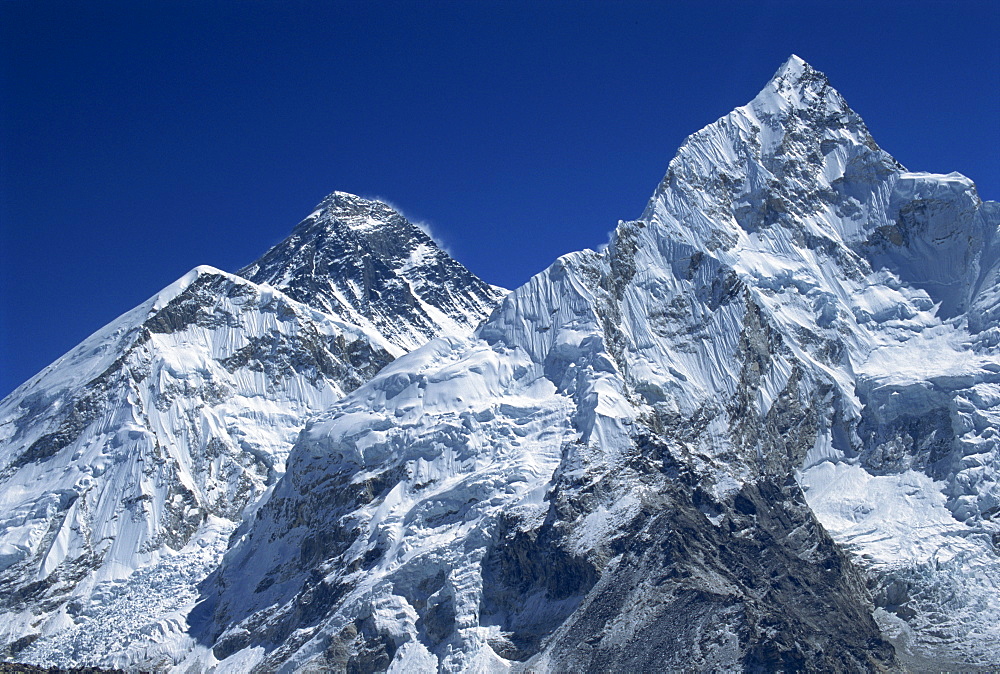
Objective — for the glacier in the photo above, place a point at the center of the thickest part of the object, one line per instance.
(757, 431)
(126, 464)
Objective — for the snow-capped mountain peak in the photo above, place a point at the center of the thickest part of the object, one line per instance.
(358, 213)
(758, 431)
(563, 490)
(125, 465)
(796, 84)
(361, 260)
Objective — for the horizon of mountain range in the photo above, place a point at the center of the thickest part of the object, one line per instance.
(757, 431)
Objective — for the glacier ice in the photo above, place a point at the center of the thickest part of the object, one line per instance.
(791, 315)
(757, 431)
(126, 465)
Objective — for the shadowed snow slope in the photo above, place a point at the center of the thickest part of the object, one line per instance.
(125, 465)
(628, 465)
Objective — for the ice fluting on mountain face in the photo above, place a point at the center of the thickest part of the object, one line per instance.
(630, 463)
(758, 431)
(125, 465)
(160, 439)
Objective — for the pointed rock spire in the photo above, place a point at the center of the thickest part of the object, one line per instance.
(362, 261)
(797, 85)
(794, 66)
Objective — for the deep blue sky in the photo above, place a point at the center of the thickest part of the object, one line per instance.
(140, 139)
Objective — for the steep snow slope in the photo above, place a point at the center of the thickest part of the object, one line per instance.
(621, 469)
(125, 465)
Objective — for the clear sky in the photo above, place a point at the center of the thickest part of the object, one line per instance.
(140, 139)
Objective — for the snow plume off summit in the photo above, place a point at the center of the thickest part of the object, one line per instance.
(758, 431)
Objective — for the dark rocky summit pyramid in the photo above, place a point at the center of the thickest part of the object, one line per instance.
(361, 261)
(757, 432)
(126, 464)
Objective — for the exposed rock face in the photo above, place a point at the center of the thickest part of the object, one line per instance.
(758, 586)
(758, 432)
(125, 466)
(624, 467)
(364, 263)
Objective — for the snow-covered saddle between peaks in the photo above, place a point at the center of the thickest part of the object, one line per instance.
(758, 431)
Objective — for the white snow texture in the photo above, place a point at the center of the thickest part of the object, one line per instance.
(785, 262)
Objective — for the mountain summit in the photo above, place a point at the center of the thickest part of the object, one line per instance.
(758, 431)
(363, 262)
(755, 432)
(125, 465)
